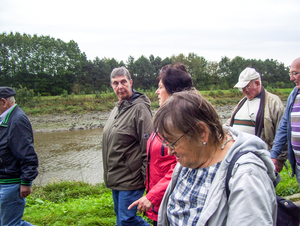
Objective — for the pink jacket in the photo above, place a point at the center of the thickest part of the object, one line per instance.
(159, 171)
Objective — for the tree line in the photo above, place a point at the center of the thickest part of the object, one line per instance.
(51, 66)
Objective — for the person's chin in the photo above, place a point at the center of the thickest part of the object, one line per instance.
(122, 96)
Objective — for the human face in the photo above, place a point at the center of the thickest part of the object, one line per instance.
(295, 68)
(162, 93)
(2, 105)
(122, 87)
(251, 90)
(189, 153)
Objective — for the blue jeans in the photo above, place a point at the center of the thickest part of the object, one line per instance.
(123, 199)
(11, 205)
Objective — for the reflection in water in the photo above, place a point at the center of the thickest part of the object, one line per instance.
(70, 155)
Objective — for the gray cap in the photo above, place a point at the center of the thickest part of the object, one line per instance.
(246, 76)
(6, 92)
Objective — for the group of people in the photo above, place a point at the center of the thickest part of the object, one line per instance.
(181, 156)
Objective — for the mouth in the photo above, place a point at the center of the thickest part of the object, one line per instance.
(177, 157)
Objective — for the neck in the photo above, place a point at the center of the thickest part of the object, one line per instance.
(220, 151)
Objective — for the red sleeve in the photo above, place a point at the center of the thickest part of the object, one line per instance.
(156, 194)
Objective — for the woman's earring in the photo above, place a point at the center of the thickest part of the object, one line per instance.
(204, 143)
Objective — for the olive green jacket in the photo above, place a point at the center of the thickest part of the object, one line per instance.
(124, 143)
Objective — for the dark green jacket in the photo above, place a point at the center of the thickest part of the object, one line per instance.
(124, 143)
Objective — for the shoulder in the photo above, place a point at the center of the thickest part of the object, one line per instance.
(18, 115)
(257, 162)
(142, 103)
(142, 99)
(273, 97)
(294, 92)
(273, 100)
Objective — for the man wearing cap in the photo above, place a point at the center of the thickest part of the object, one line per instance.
(288, 130)
(259, 112)
(18, 160)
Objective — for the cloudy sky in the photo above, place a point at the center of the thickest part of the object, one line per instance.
(257, 29)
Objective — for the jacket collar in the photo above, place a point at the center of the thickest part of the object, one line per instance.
(6, 115)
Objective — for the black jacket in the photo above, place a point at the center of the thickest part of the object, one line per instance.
(18, 160)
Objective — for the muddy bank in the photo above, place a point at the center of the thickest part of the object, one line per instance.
(62, 122)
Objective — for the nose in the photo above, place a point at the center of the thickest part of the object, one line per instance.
(171, 151)
(157, 92)
(292, 78)
(119, 85)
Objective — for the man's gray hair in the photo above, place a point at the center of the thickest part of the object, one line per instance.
(11, 100)
(119, 71)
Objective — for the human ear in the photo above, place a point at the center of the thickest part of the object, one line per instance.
(203, 131)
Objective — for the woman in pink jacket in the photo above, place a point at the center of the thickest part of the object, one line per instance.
(172, 78)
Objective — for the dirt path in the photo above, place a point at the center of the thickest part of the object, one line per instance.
(61, 122)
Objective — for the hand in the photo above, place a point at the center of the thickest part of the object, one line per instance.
(143, 204)
(25, 191)
(278, 165)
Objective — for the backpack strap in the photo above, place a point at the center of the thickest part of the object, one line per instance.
(230, 168)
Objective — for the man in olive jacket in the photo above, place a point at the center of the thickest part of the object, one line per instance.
(124, 142)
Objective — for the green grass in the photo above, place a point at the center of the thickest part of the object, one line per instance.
(70, 203)
(78, 203)
(287, 186)
(102, 102)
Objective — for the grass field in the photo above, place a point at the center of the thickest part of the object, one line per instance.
(77, 203)
(102, 102)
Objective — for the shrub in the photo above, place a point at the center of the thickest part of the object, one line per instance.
(24, 97)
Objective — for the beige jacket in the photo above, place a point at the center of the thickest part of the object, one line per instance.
(273, 113)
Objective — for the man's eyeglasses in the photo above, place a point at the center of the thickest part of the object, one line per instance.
(172, 146)
(293, 74)
(246, 87)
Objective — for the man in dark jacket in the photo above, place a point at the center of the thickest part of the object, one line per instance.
(124, 142)
(18, 160)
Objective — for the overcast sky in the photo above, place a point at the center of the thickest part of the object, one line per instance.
(257, 29)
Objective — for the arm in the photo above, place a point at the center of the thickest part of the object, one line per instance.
(281, 135)
(252, 197)
(144, 130)
(276, 110)
(21, 145)
(156, 194)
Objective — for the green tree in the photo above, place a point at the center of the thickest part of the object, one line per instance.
(41, 63)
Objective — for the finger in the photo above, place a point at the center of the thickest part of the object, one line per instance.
(133, 204)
